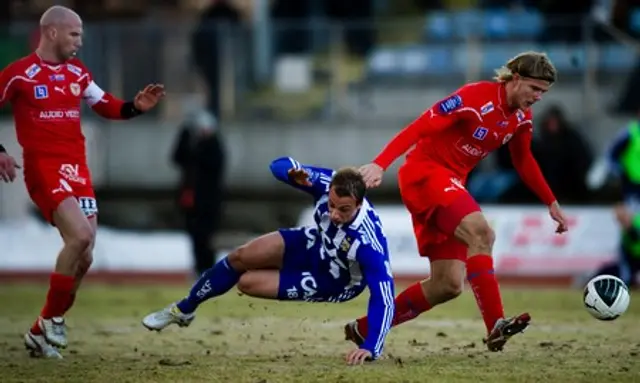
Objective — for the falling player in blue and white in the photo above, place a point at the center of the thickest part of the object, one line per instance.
(332, 261)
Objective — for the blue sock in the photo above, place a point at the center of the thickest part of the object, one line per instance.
(214, 282)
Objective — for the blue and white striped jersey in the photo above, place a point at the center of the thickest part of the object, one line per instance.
(355, 253)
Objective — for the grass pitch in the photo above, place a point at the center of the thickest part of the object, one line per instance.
(239, 339)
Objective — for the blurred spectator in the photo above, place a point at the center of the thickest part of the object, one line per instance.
(564, 157)
(218, 20)
(199, 154)
(624, 162)
(627, 266)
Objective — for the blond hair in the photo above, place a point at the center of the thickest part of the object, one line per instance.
(530, 64)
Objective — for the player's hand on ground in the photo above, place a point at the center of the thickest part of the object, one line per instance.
(149, 97)
(372, 175)
(358, 356)
(557, 215)
(299, 176)
(8, 167)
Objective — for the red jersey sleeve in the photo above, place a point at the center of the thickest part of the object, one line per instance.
(103, 103)
(526, 165)
(444, 114)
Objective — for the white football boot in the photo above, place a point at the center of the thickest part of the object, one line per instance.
(54, 331)
(158, 320)
(39, 348)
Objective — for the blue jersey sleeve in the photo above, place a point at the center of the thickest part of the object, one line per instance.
(320, 177)
(615, 151)
(377, 272)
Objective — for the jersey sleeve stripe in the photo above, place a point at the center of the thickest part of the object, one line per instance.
(468, 109)
(387, 296)
(525, 122)
(370, 229)
(295, 164)
(11, 81)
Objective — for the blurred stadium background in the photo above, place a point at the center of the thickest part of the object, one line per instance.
(329, 82)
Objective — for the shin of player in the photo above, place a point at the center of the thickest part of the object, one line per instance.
(450, 139)
(78, 235)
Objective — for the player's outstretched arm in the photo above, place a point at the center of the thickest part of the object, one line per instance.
(377, 271)
(108, 106)
(444, 114)
(311, 179)
(527, 166)
(530, 173)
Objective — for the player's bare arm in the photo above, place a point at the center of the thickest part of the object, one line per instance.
(8, 166)
(557, 215)
(149, 97)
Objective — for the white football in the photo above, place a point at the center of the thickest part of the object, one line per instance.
(606, 297)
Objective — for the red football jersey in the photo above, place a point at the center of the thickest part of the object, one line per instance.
(462, 129)
(480, 122)
(46, 105)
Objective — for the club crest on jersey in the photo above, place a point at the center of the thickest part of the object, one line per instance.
(486, 108)
(74, 69)
(450, 104)
(40, 92)
(75, 89)
(345, 245)
(520, 115)
(480, 133)
(32, 71)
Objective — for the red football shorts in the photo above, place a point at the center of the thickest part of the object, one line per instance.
(50, 181)
(437, 201)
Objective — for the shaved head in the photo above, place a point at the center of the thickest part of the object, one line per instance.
(58, 15)
(60, 34)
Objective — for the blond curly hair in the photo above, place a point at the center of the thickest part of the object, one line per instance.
(529, 64)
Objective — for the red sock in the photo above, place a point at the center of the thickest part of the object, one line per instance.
(485, 287)
(72, 299)
(409, 304)
(59, 295)
(35, 328)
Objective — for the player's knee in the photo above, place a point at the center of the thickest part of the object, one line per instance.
(238, 257)
(80, 239)
(475, 231)
(247, 284)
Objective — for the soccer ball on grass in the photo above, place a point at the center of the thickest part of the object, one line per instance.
(606, 297)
